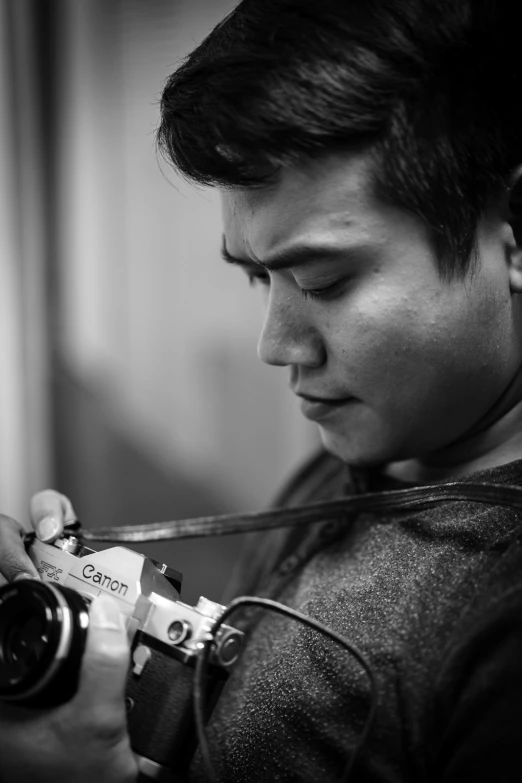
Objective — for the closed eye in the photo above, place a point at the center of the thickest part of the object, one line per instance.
(259, 276)
(327, 292)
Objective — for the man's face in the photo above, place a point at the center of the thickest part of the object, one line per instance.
(399, 363)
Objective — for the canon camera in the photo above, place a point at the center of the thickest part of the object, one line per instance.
(43, 627)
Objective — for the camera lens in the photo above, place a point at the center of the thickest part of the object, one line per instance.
(25, 641)
(42, 637)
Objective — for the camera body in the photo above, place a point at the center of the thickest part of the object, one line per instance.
(165, 635)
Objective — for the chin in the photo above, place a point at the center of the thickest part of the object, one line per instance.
(360, 453)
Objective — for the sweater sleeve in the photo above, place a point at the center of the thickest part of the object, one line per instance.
(479, 703)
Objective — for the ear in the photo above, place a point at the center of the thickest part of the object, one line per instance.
(515, 221)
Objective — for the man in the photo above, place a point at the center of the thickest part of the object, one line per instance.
(369, 156)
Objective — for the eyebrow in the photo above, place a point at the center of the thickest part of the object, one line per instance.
(291, 257)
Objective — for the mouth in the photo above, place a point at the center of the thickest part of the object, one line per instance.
(316, 408)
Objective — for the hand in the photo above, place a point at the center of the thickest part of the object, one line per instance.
(84, 740)
(50, 511)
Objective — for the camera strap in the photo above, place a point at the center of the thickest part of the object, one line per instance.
(411, 499)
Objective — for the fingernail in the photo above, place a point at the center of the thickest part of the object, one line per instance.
(23, 575)
(105, 613)
(47, 529)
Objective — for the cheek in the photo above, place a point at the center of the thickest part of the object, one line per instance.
(423, 375)
(413, 352)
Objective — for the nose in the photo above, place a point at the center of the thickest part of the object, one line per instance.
(288, 336)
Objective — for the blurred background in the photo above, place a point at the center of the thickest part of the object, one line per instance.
(129, 378)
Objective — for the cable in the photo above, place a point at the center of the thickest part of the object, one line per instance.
(266, 603)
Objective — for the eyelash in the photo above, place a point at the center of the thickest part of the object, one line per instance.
(318, 293)
(308, 293)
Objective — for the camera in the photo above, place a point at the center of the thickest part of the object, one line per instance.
(43, 627)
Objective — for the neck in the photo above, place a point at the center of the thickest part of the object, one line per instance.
(494, 440)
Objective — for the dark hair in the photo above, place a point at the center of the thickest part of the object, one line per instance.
(430, 87)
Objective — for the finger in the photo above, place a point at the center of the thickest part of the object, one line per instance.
(15, 563)
(50, 511)
(105, 661)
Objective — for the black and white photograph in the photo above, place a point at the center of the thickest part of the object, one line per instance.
(260, 391)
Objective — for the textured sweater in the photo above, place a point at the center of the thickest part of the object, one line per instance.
(433, 600)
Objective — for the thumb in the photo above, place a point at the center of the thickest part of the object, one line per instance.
(50, 511)
(106, 658)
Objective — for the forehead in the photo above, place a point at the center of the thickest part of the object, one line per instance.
(325, 199)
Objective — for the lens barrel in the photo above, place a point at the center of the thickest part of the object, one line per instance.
(43, 628)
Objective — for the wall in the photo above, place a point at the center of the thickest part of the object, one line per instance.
(25, 434)
(157, 336)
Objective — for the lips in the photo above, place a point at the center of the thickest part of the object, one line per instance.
(316, 408)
